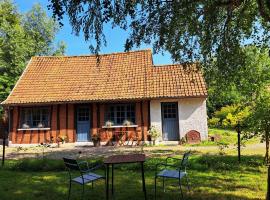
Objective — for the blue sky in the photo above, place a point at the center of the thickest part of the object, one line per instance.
(76, 45)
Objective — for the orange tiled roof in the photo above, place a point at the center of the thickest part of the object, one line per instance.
(118, 76)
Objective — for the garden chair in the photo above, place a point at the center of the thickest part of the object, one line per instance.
(179, 171)
(86, 174)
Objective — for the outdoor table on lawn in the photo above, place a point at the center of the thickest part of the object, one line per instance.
(123, 159)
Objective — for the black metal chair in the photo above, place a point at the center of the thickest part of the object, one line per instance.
(179, 171)
(86, 173)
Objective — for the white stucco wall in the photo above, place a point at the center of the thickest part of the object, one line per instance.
(192, 115)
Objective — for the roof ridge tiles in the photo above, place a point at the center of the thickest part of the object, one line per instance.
(93, 55)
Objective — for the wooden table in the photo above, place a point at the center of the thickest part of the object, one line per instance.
(123, 159)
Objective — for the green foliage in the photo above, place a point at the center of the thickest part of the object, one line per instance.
(153, 132)
(224, 162)
(21, 37)
(38, 165)
(189, 30)
(229, 116)
(220, 94)
(224, 111)
(258, 123)
(214, 122)
(244, 85)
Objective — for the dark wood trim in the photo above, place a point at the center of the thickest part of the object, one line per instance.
(149, 115)
(98, 116)
(51, 116)
(91, 115)
(67, 121)
(17, 125)
(142, 120)
(58, 122)
(22, 137)
(75, 123)
(11, 120)
(45, 136)
(38, 136)
(31, 136)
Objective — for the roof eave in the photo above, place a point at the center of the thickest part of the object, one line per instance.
(101, 100)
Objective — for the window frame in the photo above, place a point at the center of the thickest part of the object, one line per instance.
(43, 116)
(113, 113)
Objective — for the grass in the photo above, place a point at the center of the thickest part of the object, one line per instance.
(227, 136)
(212, 177)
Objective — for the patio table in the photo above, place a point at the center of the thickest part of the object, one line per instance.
(123, 159)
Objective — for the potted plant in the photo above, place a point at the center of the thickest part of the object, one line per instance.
(62, 138)
(127, 123)
(96, 140)
(40, 125)
(109, 123)
(153, 133)
(25, 125)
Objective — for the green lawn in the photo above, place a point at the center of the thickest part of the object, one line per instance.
(212, 176)
(226, 137)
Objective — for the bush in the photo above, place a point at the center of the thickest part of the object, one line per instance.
(228, 117)
(224, 111)
(226, 162)
(214, 122)
(38, 165)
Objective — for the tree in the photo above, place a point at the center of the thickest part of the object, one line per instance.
(21, 37)
(259, 120)
(249, 84)
(253, 84)
(190, 30)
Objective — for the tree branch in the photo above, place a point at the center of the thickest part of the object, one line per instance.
(263, 10)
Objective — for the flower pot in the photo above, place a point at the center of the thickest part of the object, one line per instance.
(96, 143)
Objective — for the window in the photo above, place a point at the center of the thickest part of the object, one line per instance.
(83, 114)
(119, 113)
(35, 117)
(169, 110)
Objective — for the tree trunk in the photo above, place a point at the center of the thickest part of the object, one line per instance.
(266, 157)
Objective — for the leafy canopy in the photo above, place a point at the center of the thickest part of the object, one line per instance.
(189, 30)
(21, 37)
(246, 83)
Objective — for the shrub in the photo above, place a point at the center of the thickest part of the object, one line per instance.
(214, 122)
(153, 132)
(38, 165)
(224, 111)
(229, 117)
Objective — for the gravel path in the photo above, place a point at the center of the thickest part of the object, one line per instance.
(104, 151)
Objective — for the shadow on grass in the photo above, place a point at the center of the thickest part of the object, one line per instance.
(212, 177)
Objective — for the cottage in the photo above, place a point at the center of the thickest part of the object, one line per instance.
(77, 97)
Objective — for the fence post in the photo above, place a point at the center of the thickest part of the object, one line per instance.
(238, 130)
(268, 183)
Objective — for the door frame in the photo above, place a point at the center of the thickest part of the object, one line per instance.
(77, 106)
(177, 118)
